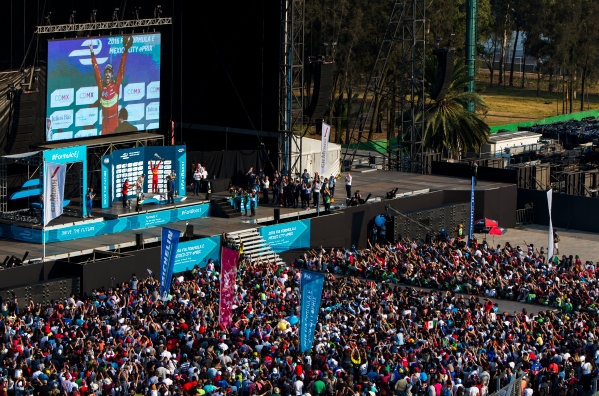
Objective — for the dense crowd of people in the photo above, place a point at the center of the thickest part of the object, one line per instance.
(372, 338)
(505, 271)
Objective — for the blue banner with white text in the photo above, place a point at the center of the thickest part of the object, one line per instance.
(92, 229)
(311, 289)
(169, 243)
(282, 237)
(197, 252)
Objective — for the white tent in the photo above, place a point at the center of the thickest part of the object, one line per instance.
(311, 157)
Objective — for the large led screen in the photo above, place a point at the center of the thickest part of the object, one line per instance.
(99, 86)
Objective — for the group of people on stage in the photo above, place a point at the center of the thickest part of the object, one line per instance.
(200, 178)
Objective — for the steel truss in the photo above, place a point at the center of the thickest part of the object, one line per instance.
(406, 25)
(291, 86)
(375, 81)
(82, 27)
(410, 152)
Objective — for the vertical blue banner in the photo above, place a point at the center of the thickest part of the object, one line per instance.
(471, 212)
(169, 244)
(311, 289)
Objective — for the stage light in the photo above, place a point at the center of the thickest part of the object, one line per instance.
(92, 17)
(158, 11)
(115, 14)
(137, 12)
(72, 17)
(47, 18)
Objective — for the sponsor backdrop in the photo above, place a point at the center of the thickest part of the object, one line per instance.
(78, 231)
(77, 101)
(197, 252)
(282, 237)
(131, 163)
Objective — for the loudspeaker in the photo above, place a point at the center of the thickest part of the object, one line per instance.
(139, 240)
(322, 75)
(277, 214)
(188, 230)
(445, 59)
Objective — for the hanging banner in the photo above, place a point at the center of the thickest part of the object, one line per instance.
(169, 244)
(54, 177)
(550, 242)
(471, 211)
(228, 272)
(311, 289)
(324, 148)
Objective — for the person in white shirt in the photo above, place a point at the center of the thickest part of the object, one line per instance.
(316, 192)
(197, 177)
(298, 385)
(348, 179)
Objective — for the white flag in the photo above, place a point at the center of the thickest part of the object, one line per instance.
(54, 177)
(324, 148)
(550, 242)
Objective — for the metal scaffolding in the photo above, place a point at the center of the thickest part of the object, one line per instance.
(406, 25)
(375, 81)
(81, 27)
(291, 85)
(410, 152)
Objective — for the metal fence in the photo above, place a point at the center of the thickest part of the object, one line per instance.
(514, 388)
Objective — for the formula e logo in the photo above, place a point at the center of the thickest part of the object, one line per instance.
(84, 54)
(125, 156)
(180, 150)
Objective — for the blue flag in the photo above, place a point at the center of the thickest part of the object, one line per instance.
(170, 241)
(311, 289)
(471, 211)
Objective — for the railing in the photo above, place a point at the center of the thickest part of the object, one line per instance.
(514, 388)
(525, 216)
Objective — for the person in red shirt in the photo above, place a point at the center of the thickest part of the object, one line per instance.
(109, 88)
(125, 191)
(155, 176)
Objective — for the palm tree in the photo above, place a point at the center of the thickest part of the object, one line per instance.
(448, 124)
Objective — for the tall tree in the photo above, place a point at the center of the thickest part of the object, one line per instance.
(449, 126)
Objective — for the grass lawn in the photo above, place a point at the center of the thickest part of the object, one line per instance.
(511, 105)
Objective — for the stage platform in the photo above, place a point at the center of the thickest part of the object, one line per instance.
(105, 221)
(117, 211)
(378, 183)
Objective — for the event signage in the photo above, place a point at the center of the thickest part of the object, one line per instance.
(471, 222)
(311, 292)
(287, 236)
(197, 252)
(69, 155)
(324, 147)
(95, 228)
(129, 164)
(228, 274)
(550, 246)
(170, 240)
(102, 85)
(54, 178)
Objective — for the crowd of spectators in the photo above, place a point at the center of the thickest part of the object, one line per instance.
(509, 272)
(373, 338)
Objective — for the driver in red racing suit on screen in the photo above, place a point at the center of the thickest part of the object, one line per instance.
(109, 88)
